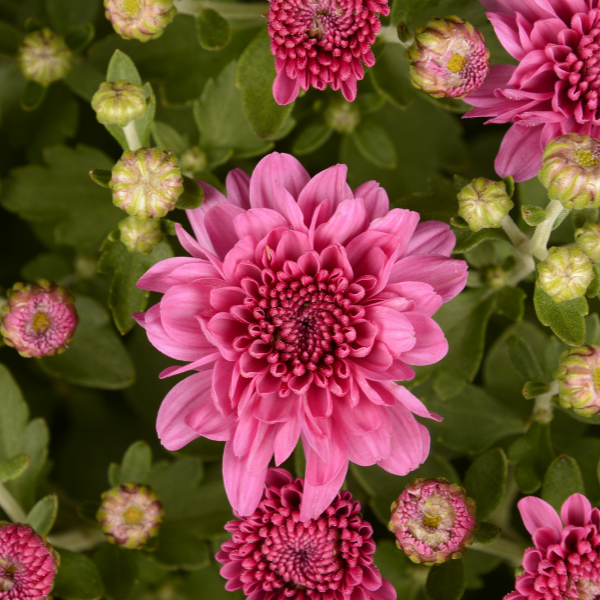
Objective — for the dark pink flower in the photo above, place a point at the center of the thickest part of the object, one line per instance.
(553, 90)
(322, 42)
(273, 555)
(564, 564)
(303, 303)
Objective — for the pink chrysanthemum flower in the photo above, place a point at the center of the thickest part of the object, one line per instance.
(554, 90)
(322, 42)
(274, 556)
(28, 564)
(303, 303)
(565, 563)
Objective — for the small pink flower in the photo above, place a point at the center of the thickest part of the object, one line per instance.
(565, 563)
(322, 42)
(302, 305)
(554, 89)
(28, 564)
(274, 556)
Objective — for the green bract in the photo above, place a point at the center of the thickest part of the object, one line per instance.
(565, 274)
(578, 377)
(484, 203)
(142, 20)
(119, 102)
(44, 57)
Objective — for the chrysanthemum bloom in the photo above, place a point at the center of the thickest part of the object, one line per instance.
(588, 239)
(38, 319)
(565, 563)
(304, 301)
(142, 20)
(448, 58)
(553, 90)
(28, 564)
(140, 235)
(119, 102)
(578, 378)
(433, 521)
(44, 57)
(322, 42)
(130, 515)
(484, 203)
(274, 556)
(566, 274)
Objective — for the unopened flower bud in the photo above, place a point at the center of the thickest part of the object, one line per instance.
(433, 521)
(449, 58)
(38, 319)
(140, 235)
(119, 102)
(142, 20)
(130, 515)
(342, 116)
(484, 203)
(588, 239)
(44, 57)
(571, 170)
(28, 564)
(566, 273)
(578, 378)
(193, 160)
(146, 183)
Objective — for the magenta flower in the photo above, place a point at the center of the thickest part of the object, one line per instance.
(322, 42)
(301, 305)
(274, 556)
(554, 90)
(565, 562)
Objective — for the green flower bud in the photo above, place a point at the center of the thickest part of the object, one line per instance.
(588, 239)
(193, 160)
(44, 57)
(146, 183)
(571, 170)
(566, 274)
(142, 20)
(140, 235)
(484, 203)
(578, 378)
(119, 102)
(342, 116)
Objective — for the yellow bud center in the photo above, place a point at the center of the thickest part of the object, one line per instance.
(457, 63)
(586, 158)
(432, 521)
(133, 515)
(131, 7)
(597, 378)
(41, 322)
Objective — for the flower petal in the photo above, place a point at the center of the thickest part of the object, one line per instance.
(576, 511)
(537, 513)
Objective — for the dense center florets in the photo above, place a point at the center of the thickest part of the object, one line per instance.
(45, 324)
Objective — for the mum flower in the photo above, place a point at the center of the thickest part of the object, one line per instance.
(274, 556)
(322, 42)
(554, 89)
(302, 303)
(564, 563)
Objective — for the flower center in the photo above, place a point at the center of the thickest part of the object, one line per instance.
(587, 158)
(133, 515)
(131, 7)
(7, 575)
(41, 322)
(456, 63)
(432, 520)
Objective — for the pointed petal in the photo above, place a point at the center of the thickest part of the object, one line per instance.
(285, 90)
(576, 511)
(537, 513)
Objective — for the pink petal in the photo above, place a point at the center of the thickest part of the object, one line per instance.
(319, 472)
(154, 278)
(386, 592)
(368, 449)
(316, 499)
(576, 511)
(238, 188)
(349, 89)
(221, 385)
(257, 222)
(520, 153)
(199, 365)
(564, 9)
(274, 409)
(400, 222)
(410, 401)
(395, 329)
(537, 513)
(212, 197)
(179, 309)
(376, 199)
(431, 237)
(431, 344)
(285, 90)
(360, 419)
(424, 298)
(222, 299)
(485, 96)
(286, 439)
(218, 222)
(507, 32)
(348, 221)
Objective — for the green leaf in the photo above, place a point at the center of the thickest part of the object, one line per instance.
(97, 357)
(467, 240)
(594, 287)
(563, 479)
(566, 319)
(168, 138)
(312, 137)
(192, 196)
(42, 516)
(446, 581)
(390, 76)
(533, 215)
(486, 533)
(101, 176)
(214, 31)
(77, 578)
(77, 39)
(533, 389)
(478, 564)
(208, 583)
(485, 482)
(122, 67)
(404, 10)
(255, 76)
(592, 327)
(14, 467)
(114, 474)
(523, 358)
(510, 302)
(10, 39)
(374, 144)
(125, 297)
(119, 571)
(180, 548)
(84, 80)
(136, 464)
(33, 95)
(66, 15)
(397, 569)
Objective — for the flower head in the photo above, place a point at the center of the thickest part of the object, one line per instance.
(130, 515)
(142, 20)
(566, 274)
(194, 160)
(28, 564)
(433, 521)
(304, 301)
(328, 556)
(588, 239)
(119, 102)
(146, 183)
(449, 58)
(322, 42)
(578, 378)
(38, 319)
(140, 235)
(44, 57)
(565, 563)
(484, 203)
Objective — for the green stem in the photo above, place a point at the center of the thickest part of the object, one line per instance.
(132, 137)
(543, 408)
(389, 33)
(241, 11)
(539, 241)
(525, 263)
(505, 549)
(11, 507)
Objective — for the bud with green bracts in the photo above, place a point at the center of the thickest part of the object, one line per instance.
(484, 203)
(342, 116)
(142, 20)
(194, 160)
(119, 102)
(578, 378)
(588, 239)
(44, 57)
(140, 235)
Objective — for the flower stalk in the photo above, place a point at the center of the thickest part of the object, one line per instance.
(132, 137)
(539, 241)
(10, 506)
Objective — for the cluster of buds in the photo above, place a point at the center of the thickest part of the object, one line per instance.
(578, 378)
(565, 274)
(140, 235)
(44, 57)
(119, 102)
(142, 20)
(449, 58)
(193, 160)
(130, 515)
(588, 239)
(38, 319)
(433, 521)
(484, 203)
(342, 116)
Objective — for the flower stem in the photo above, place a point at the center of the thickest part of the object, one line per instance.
(539, 241)
(11, 507)
(543, 408)
(389, 33)
(505, 549)
(242, 11)
(132, 137)
(525, 263)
